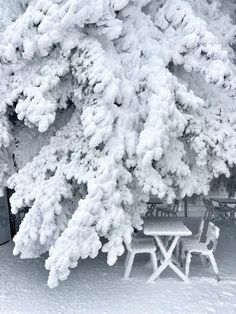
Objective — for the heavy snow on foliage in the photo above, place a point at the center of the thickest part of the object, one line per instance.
(128, 97)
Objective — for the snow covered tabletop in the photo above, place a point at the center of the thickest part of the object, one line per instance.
(165, 227)
(224, 200)
(153, 200)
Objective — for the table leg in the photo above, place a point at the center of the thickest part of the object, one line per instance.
(168, 259)
(178, 272)
(166, 243)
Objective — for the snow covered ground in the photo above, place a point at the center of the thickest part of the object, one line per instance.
(94, 287)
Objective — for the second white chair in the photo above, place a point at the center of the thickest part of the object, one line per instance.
(194, 237)
(203, 249)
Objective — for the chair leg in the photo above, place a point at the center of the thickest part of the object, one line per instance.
(129, 263)
(188, 261)
(214, 266)
(127, 259)
(154, 260)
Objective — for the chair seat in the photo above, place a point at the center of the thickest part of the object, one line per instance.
(167, 210)
(143, 245)
(195, 246)
(162, 207)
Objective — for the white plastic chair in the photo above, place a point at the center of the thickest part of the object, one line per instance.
(203, 249)
(137, 246)
(193, 238)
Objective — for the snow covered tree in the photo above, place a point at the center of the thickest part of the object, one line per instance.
(104, 102)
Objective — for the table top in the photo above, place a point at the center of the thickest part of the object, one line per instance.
(154, 201)
(165, 227)
(224, 200)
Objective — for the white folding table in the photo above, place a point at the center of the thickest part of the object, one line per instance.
(173, 229)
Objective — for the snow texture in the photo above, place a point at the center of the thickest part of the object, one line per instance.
(123, 99)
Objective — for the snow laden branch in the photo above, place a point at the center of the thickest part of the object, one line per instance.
(133, 97)
(195, 47)
(79, 160)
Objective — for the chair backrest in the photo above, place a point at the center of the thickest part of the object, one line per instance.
(208, 203)
(175, 206)
(200, 230)
(211, 205)
(128, 246)
(212, 236)
(205, 202)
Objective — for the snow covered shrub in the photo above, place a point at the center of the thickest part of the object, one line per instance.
(115, 99)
